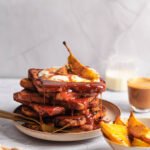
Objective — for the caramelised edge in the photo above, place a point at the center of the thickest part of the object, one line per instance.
(46, 110)
(77, 119)
(27, 97)
(27, 84)
(80, 87)
(84, 122)
(37, 111)
(68, 100)
(33, 73)
(71, 121)
(29, 112)
(72, 101)
(53, 86)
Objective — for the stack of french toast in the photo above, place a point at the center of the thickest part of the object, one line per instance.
(63, 96)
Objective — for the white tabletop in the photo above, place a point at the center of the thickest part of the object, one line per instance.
(10, 136)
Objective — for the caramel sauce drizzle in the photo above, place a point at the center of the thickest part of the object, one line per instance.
(100, 103)
(44, 96)
(67, 86)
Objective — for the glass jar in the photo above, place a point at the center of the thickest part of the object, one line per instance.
(118, 71)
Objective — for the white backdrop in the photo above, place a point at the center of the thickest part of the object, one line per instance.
(32, 31)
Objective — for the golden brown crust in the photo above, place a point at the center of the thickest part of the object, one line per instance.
(33, 73)
(71, 121)
(27, 97)
(27, 111)
(27, 84)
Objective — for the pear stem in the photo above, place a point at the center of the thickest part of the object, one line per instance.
(65, 44)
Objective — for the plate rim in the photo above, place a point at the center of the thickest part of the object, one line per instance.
(18, 124)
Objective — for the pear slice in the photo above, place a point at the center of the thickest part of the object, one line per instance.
(137, 129)
(78, 68)
(140, 143)
(119, 121)
(116, 133)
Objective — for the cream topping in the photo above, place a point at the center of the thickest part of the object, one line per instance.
(49, 75)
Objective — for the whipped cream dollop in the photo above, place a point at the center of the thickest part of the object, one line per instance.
(49, 74)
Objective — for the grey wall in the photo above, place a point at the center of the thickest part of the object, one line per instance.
(32, 31)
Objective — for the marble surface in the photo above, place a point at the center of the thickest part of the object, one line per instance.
(32, 32)
(10, 136)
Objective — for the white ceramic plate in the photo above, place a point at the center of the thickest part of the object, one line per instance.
(111, 112)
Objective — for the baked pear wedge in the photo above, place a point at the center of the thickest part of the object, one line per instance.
(116, 133)
(79, 69)
(140, 143)
(137, 129)
(119, 121)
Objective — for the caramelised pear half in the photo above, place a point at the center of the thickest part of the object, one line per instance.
(119, 121)
(140, 143)
(116, 133)
(79, 69)
(137, 129)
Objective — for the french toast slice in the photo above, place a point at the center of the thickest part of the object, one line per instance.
(80, 87)
(68, 100)
(29, 112)
(33, 73)
(44, 85)
(46, 110)
(27, 97)
(71, 121)
(27, 84)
